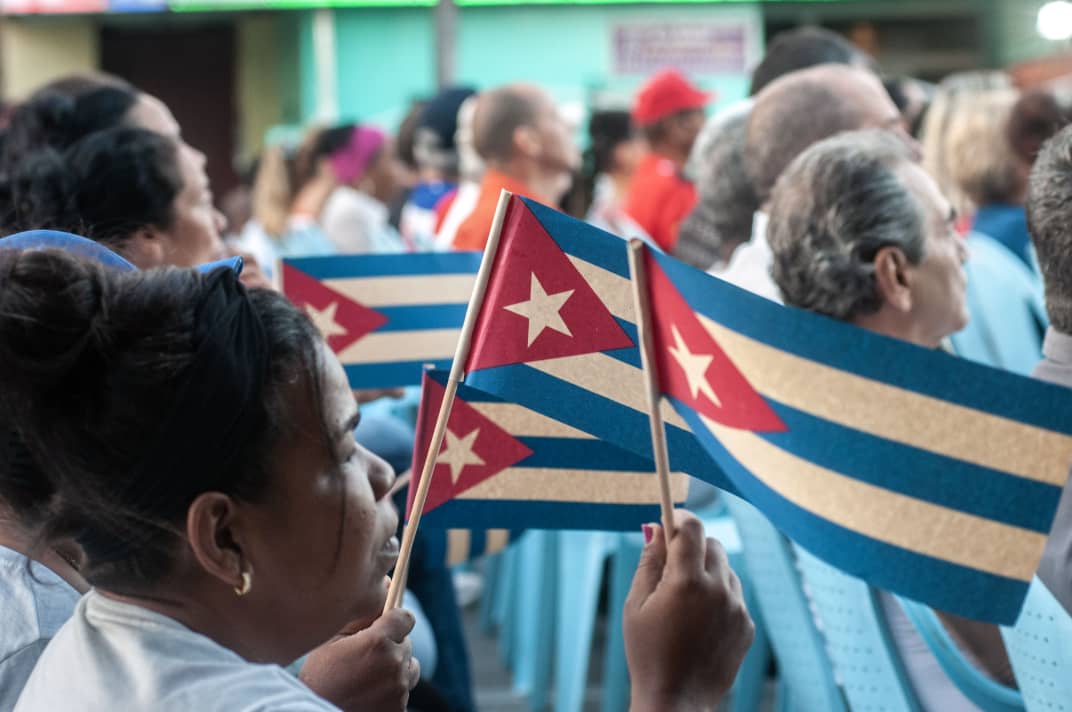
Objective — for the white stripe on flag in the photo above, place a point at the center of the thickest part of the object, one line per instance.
(389, 346)
(409, 290)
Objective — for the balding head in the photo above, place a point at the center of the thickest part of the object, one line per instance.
(805, 107)
(500, 113)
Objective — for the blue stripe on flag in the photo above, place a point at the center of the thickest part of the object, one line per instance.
(392, 265)
(523, 514)
(943, 585)
(898, 363)
(605, 419)
(582, 240)
(390, 374)
(920, 474)
(424, 316)
(582, 454)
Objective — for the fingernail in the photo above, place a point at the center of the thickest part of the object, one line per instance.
(649, 532)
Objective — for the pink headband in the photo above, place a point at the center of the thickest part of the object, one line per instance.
(352, 160)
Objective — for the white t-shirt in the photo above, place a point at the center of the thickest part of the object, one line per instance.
(117, 656)
(750, 264)
(34, 603)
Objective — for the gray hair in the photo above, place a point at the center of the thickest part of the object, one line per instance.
(833, 209)
(1049, 220)
(722, 218)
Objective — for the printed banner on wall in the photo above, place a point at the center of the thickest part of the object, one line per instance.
(717, 47)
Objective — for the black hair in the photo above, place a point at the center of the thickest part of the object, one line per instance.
(55, 119)
(105, 187)
(93, 364)
(801, 48)
(607, 129)
(406, 137)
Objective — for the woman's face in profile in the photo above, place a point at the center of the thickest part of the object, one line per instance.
(327, 525)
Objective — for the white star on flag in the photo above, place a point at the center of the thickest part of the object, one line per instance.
(542, 310)
(459, 453)
(695, 367)
(324, 319)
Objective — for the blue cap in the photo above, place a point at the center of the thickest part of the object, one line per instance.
(55, 239)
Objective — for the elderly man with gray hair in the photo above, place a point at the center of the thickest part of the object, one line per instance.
(859, 232)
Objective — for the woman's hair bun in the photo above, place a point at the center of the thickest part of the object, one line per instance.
(51, 318)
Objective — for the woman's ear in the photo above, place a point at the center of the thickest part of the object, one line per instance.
(146, 248)
(214, 536)
(893, 278)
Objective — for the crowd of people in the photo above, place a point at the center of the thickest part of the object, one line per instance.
(187, 520)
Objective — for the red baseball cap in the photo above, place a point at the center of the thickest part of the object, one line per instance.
(666, 93)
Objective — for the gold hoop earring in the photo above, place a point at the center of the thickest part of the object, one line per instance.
(247, 584)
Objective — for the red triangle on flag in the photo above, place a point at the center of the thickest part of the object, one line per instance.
(340, 319)
(474, 449)
(693, 368)
(537, 305)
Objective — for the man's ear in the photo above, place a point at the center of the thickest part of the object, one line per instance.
(893, 278)
(215, 535)
(527, 142)
(146, 248)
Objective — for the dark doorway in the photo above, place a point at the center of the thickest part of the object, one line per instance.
(192, 70)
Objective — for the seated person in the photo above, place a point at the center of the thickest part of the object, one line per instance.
(199, 441)
(859, 232)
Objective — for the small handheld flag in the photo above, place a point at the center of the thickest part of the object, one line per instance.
(923, 474)
(385, 316)
(505, 466)
(556, 333)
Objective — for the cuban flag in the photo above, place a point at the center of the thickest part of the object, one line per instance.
(386, 317)
(926, 475)
(507, 467)
(556, 333)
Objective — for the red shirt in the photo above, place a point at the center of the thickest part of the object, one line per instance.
(659, 199)
(473, 232)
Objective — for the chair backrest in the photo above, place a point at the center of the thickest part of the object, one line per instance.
(865, 659)
(1040, 649)
(803, 662)
(986, 694)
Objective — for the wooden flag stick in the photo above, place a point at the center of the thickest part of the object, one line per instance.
(457, 374)
(651, 381)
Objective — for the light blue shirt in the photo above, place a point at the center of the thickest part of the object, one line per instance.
(34, 603)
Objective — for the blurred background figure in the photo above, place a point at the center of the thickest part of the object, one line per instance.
(722, 218)
(669, 111)
(527, 149)
(435, 154)
(456, 205)
(912, 98)
(801, 48)
(607, 168)
(369, 175)
(987, 187)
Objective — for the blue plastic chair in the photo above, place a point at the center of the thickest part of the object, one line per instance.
(985, 693)
(806, 673)
(581, 564)
(1040, 649)
(581, 559)
(534, 611)
(849, 617)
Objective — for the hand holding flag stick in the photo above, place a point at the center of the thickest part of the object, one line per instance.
(457, 374)
(648, 362)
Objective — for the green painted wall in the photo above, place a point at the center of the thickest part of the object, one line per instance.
(568, 49)
(1016, 35)
(386, 57)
